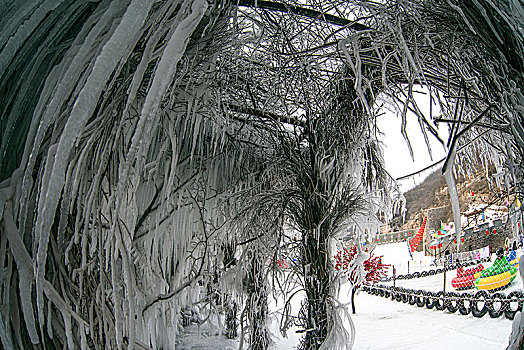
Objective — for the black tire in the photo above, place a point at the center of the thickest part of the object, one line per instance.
(381, 292)
(513, 304)
(432, 272)
(398, 296)
(423, 274)
(440, 303)
(405, 297)
(413, 298)
(478, 297)
(416, 274)
(465, 304)
(497, 305)
(387, 294)
(439, 271)
(453, 302)
(429, 300)
(419, 299)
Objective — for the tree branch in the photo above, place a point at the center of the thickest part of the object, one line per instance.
(265, 115)
(305, 12)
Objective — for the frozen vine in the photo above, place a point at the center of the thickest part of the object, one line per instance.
(137, 137)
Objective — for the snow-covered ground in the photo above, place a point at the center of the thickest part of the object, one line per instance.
(384, 324)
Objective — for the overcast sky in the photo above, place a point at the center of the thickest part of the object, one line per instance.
(396, 153)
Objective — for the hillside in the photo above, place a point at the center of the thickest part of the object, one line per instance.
(433, 192)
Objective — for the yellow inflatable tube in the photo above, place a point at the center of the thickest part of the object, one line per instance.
(494, 282)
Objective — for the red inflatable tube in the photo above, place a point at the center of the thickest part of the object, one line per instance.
(465, 278)
(463, 282)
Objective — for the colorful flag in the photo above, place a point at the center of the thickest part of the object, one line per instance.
(415, 242)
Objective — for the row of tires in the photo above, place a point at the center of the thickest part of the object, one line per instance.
(431, 272)
(479, 304)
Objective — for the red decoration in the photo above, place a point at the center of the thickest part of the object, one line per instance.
(415, 242)
(373, 266)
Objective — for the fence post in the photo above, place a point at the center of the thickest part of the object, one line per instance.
(445, 270)
(394, 275)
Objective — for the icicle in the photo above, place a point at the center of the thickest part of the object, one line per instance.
(50, 319)
(82, 110)
(357, 69)
(24, 31)
(41, 237)
(69, 331)
(5, 337)
(14, 17)
(164, 74)
(25, 271)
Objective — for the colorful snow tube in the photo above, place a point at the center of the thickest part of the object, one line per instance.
(465, 278)
(514, 263)
(497, 276)
(512, 255)
(497, 281)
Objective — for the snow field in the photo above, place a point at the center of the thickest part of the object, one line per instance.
(382, 324)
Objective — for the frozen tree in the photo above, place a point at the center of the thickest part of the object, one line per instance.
(138, 136)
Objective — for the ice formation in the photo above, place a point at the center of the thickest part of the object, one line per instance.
(138, 136)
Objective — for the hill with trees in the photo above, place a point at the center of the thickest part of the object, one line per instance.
(433, 192)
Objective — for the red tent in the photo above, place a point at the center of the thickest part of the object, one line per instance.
(415, 242)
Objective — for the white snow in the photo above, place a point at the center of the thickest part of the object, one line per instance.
(395, 254)
(385, 324)
(382, 324)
